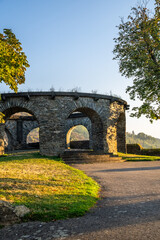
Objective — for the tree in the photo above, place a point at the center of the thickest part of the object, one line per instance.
(13, 62)
(137, 48)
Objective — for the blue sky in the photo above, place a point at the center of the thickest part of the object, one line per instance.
(69, 44)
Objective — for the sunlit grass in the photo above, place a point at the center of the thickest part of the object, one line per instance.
(48, 187)
(134, 157)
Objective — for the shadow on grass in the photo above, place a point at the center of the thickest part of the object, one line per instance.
(9, 183)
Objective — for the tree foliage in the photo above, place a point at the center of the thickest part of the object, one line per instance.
(137, 48)
(13, 62)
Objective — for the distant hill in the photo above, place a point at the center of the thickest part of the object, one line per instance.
(79, 133)
(144, 140)
(33, 136)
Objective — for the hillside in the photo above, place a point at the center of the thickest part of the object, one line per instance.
(144, 140)
(79, 133)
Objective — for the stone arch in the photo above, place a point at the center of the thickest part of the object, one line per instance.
(16, 109)
(96, 127)
(68, 135)
(16, 130)
(84, 121)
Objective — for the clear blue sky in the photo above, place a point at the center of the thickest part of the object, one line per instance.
(69, 44)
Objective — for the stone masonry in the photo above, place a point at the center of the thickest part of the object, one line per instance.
(52, 110)
(17, 130)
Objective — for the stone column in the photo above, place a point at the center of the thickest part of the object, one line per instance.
(2, 131)
(97, 135)
(52, 137)
(19, 131)
(121, 133)
(105, 143)
(116, 129)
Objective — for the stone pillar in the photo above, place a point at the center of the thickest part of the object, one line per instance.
(90, 139)
(2, 131)
(105, 143)
(121, 133)
(111, 137)
(19, 131)
(116, 129)
(97, 135)
(51, 137)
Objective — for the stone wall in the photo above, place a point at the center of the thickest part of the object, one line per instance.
(134, 148)
(137, 149)
(80, 144)
(52, 110)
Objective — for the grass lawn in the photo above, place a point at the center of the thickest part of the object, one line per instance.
(48, 187)
(134, 157)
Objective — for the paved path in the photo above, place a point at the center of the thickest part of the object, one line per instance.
(129, 208)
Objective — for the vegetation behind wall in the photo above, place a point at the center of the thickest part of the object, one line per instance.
(144, 140)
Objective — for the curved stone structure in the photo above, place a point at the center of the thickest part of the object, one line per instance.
(52, 110)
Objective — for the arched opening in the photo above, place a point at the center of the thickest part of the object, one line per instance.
(96, 126)
(78, 138)
(18, 123)
(33, 138)
(16, 110)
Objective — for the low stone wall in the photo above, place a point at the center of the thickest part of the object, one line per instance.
(137, 149)
(79, 144)
(34, 145)
(151, 152)
(134, 148)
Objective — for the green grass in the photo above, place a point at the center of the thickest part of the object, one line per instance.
(134, 157)
(48, 187)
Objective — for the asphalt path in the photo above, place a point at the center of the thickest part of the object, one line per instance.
(130, 204)
(129, 208)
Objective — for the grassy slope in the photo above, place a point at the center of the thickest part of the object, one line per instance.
(50, 188)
